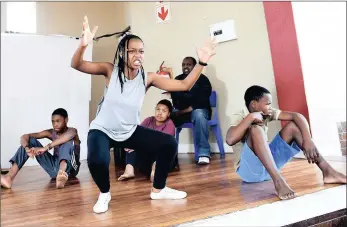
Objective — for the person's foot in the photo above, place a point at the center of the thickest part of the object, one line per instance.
(61, 179)
(101, 205)
(203, 160)
(126, 176)
(129, 173)
(168, 193)
(6, 181)
(284, 192)
(333, 177)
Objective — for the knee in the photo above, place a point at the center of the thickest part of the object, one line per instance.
(291, 128)
(32, 139)
(199, 115)
(98, 149)
(256, 136)
(33, 142)
(96, 160)
(67, 146)
(256, 131)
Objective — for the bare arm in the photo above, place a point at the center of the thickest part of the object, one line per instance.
(166, 84)
(65, 137)
(236, 133)
(299, 120)
(94, 68)
(204, 54)
(307, 146)
(77, 61)
(24, 140)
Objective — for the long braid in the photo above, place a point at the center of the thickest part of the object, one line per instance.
(121, 58)
(143, 75)
(126, 56)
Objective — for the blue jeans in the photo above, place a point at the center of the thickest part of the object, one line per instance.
(199, 118)
(50, 163)
(251, 169)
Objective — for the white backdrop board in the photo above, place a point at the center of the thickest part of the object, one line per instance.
(36, 79)
(321, 32)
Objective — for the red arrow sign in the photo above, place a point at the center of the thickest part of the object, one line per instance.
(163, 13)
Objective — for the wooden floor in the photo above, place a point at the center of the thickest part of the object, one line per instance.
(212, 190)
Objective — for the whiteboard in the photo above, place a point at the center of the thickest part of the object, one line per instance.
(36, 79)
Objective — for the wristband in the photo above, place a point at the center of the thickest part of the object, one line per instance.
(202, 63)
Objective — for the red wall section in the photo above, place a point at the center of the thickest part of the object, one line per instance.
(286, 57)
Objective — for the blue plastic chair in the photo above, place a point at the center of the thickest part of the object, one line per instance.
(213, 123)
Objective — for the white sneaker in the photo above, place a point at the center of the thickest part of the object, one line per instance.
(168, 193)
(102, 204)
(203, 160)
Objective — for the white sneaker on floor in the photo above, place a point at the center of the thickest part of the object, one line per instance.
(168, 193)
(203, 160)
(102, 204)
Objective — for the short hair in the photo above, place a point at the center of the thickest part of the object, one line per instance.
(166, 103)
(193, 59)
(60, 111)
(255, 92)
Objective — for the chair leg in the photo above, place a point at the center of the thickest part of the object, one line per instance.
(218, 133)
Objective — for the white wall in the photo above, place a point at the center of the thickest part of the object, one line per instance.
(236, 66)
(3, 16)
(321, 32)
(36, 79)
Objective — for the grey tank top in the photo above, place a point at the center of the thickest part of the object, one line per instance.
(118, 113)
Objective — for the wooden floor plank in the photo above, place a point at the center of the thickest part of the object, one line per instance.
(212, 190)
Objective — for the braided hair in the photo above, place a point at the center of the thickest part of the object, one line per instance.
(121, 58)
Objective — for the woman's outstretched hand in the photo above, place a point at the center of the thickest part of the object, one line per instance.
(87, 35)
(207, 50)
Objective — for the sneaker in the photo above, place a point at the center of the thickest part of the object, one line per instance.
(168, 193)
(203, 160)
(102, 204)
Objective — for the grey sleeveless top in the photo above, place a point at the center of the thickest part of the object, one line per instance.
(118, 113)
